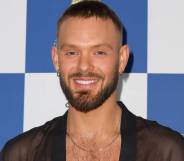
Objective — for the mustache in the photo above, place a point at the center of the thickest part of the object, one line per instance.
(86, 74)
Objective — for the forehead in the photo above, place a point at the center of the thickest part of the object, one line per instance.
(86, 30)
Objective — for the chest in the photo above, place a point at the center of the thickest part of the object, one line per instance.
(109, 153)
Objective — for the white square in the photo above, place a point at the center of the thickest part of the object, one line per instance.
(13, 36)
(165, 36)
(134, 93)
(44, 99)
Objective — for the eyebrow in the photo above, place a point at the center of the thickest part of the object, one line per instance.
(94, 46)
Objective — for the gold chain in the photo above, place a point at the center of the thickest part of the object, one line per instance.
(100, 149)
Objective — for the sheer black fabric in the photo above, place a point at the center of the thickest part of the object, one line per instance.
(143, 140)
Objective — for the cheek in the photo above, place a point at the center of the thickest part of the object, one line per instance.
(108, 68)
(65, 69)
(67, 64)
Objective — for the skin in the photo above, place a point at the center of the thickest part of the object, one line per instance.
(80, 43)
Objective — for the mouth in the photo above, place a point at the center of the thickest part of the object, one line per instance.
(85, 83)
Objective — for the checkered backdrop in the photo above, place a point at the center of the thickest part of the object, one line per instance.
(30, 93)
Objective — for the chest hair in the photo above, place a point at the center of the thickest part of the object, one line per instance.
(111, 153)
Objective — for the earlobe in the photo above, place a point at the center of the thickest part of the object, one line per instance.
(55, 58)
(123, 59)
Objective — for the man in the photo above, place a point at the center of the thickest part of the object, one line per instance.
(89, 57)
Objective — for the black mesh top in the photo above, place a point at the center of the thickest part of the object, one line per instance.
(143, 140)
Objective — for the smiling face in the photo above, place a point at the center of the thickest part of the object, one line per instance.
(89, 58)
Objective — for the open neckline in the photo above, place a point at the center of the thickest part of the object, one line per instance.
(128, 137)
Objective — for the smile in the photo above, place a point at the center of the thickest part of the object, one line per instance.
(85, 82)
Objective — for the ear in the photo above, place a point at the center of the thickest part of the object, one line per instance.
(55, 58)
(123, 57)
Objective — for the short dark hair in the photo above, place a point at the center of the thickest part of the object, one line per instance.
(87, 9)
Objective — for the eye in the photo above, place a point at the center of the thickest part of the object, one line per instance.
(71, 53)
(101, 53)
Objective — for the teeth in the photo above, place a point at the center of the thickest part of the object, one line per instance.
(85, 81)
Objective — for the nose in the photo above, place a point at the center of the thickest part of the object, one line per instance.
(84, 63)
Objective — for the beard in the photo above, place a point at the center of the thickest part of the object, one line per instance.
(84, 101)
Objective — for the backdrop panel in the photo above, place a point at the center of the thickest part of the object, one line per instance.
(13, 36)
(11, 111)
(29, 88)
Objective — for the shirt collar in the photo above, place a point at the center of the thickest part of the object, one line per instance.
(128, 135)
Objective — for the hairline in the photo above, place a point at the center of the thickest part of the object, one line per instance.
(65, 18)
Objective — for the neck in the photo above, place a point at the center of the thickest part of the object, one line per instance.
(105, 120)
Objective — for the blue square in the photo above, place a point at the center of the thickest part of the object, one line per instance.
(165, 99)
(42, 18)
(133, 15)
(12, 105)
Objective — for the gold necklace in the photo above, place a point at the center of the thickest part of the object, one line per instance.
(100, 149)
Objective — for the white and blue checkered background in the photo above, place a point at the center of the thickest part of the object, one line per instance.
(30, 93)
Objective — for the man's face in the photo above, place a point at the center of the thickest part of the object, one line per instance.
(89, 60)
